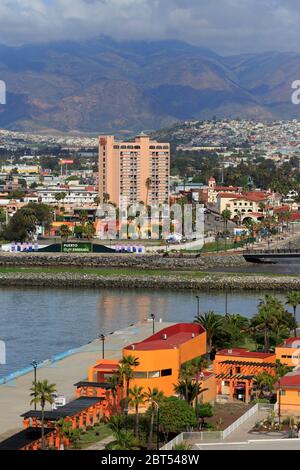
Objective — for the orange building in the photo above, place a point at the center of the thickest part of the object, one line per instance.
(289, 352)
(102, 370)
(236, 370)
(288, 392)
(137, 171)
(162, 354)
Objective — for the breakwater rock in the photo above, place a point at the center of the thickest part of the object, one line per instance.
(153, 261)
(171, 282)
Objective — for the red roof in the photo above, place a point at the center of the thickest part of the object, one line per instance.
(169, 338)
(290, 342)
(227, 188)
(241, 352)
(290, 380)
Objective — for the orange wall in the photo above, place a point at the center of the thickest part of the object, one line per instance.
(289, 401)
(210, 394)
(153, 360)
(289, 361)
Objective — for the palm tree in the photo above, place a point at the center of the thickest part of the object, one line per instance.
(30, 220)
(116, 423)
(186, 374)
(124, 440)
(114, 383)
(213, 325)
(106, 197)
(148, 186)
(189, 390)
(65, 232)
(270, 314)
(89, 230)
(199, 364)
(235, 326)
(264, 382)
(42, 393)
(293, 300)
(136, 398)
(97, 200)
(129, 362)
(122, 369)
(153, 396)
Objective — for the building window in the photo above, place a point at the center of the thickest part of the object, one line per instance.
(140, 375)
(282, 393)
(153, 374)
(166, 372)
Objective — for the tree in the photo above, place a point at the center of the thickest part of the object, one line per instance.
(199, 364)
(293, 300)
(22, 225)
(235, 326)
(114, 383)
(186, 374)
(176, 416)
(226, 216)
(204, 410)
(212, 324)
(189, 390)
(153, 397)
(270, 314)
(264, 383)
(42, 393)
(124, 440)
(65, 232)
(136, 398)
(97, 200)
(129, 362)
(83, 217)
(148, 186)
(106, 198)
(89, 231)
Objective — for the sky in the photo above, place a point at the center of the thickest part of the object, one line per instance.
(226, 26)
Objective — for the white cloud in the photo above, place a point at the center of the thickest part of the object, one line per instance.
(224, 25)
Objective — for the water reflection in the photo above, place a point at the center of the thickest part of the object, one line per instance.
(38, 323)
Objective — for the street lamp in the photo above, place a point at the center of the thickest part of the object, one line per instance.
(279, 402)
(102, 338)
(153, 322)
(198, 304)
(34, 365)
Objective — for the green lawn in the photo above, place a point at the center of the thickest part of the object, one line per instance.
(96, 434)
(134, 272)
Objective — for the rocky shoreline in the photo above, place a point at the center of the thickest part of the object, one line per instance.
(152, 261)
(172, 282)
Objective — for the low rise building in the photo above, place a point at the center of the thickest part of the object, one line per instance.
(288, 392)
(288, 352)
(236, 370)
(161, 355)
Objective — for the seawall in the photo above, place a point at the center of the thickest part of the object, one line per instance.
(152, 261)
(207, 282)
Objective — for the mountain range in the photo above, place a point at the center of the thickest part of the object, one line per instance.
(103, 85)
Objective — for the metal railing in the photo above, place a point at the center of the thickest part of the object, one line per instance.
(219, 435)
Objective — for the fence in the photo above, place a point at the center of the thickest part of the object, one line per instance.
(219, 435)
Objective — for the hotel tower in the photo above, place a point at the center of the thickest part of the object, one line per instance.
(135, 171)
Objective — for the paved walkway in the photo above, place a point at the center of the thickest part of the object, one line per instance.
(243, 432)
(101, 444)
(15, 395)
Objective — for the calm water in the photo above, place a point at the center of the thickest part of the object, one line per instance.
(38, 323)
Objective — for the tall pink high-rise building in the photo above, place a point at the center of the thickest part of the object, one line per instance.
(138, 170)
